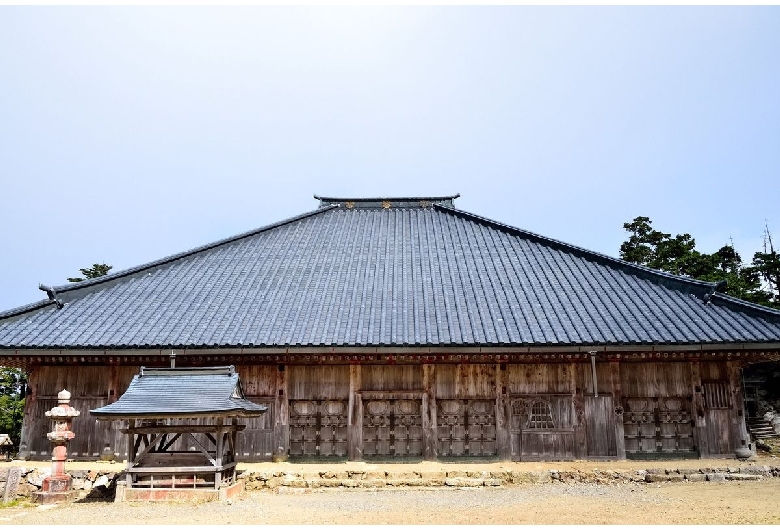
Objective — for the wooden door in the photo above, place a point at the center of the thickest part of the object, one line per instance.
(658, 426)
(717, 407)
(466, 427)
(600, 426)
(318, 428)
(392, 428)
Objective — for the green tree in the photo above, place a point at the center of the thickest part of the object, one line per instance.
(13, 385)
(767, 265)
(95, 271)
(757, 283)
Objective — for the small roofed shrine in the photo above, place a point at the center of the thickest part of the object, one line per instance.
(182, 425)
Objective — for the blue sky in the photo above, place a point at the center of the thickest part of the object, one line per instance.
(129, 134)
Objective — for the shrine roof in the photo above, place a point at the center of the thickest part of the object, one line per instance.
(182, 393)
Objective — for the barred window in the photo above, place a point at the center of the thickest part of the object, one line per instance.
(716, 395)
(541, 416)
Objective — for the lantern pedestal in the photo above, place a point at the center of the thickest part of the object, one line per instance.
(58, 486)
(55, 489)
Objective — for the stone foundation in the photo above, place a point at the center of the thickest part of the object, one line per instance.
(101, 485)
(472, 479)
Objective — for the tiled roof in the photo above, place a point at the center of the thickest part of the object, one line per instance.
(382, 272)
(180, 392)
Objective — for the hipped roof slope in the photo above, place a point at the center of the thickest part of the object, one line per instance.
(182, 392)
(381, 272)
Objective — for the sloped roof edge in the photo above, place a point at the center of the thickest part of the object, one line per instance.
(182, 392)
(71, 287)
(21, 310)
(723, 297)
(705, 285)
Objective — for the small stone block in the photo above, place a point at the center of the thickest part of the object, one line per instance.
(404, 481)
(656, 477)
(716, 477)
(696, 477)
(741, 476)
(752, 470)
(464, 482)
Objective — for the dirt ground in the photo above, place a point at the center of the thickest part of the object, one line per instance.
(700, 503)
(754, 502)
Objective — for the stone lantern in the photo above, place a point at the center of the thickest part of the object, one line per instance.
(58, 486)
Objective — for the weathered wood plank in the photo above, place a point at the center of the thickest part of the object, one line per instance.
(741, 437)
(379, 378)
(282, 408)
(355, 414)
(580, 430)
(697, 411)
(503, 413)
(181, 429)
(329, 382)
(429, 425)
(180, 470)
(617, 418)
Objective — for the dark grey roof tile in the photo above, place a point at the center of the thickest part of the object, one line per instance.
(181, 392)
(397, 276)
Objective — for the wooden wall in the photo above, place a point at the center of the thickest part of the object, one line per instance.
(90, 387)
(501, 411)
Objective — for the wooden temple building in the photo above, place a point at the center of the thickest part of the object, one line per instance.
(406, 328)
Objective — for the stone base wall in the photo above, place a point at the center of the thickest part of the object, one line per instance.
(437, 479)
(99, 485)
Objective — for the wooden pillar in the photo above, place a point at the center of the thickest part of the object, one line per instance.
(113, 438)
(218, 456)
(697, 411)
(29, 419)
(355, 414)
(503, 436)
(130, 453)
(576, 382)
(233, 448)
(282, 420)
(617, 403)
(429, 425)
(738, 426)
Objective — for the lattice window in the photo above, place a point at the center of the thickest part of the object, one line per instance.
(541, 416)
(717, 395)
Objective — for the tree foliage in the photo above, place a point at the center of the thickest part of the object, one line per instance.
(13, 384)
(757, 282)
(95, 271)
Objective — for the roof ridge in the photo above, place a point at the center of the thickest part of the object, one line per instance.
(70, 287)
(388, 198)
(568, 246)
(386, 202)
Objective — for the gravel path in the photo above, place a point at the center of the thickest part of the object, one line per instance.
(700, 503)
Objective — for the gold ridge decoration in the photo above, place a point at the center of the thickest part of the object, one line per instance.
(385, 204)
(349, 204)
